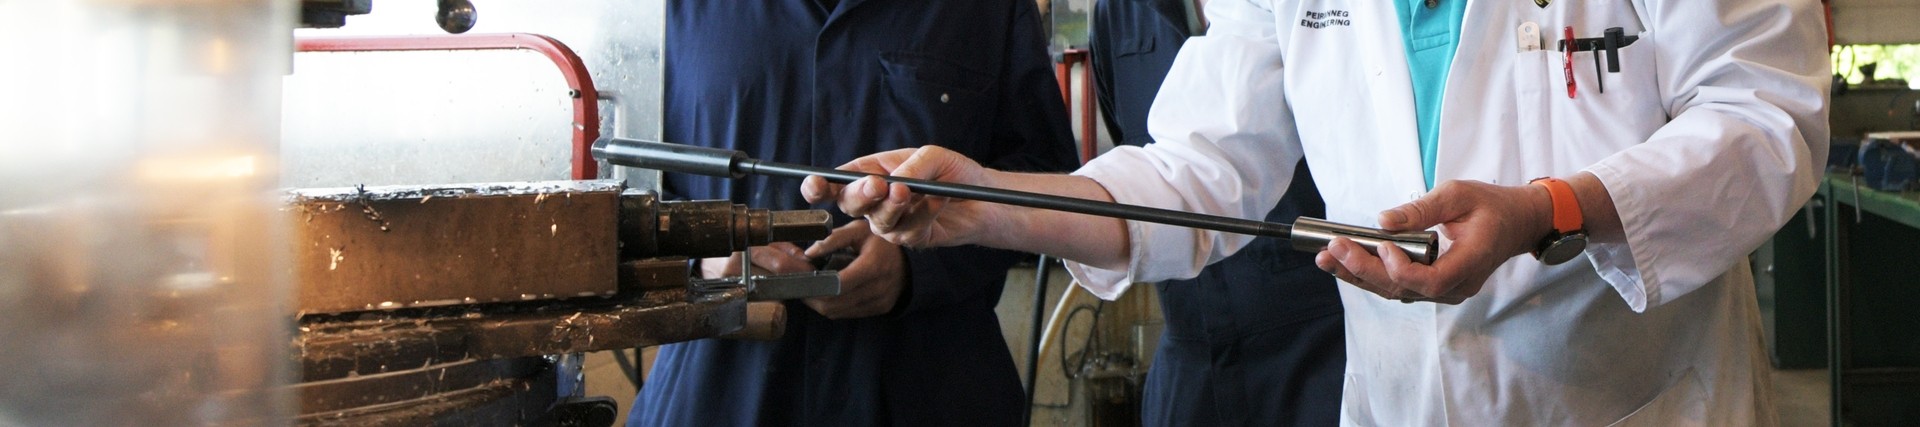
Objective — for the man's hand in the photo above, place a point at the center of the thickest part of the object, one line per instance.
(897, 214)
(871, 285)
(777, 258)
(1487, 225)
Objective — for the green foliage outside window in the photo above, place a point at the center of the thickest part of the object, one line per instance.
(1892, 63)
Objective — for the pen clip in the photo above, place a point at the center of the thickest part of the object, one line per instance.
(1611, 42)
(1566, 52)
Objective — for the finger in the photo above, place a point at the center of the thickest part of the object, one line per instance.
(1327, 263)
(928, 162)
(718, 267)
(860, 198)
(842, 237)
(914, 225)
(1328, 260)
(816, 189)
(881, 163)
(761, 272)
(823, 305)
(851, 200)
(895, 210)
(1361, 264)
(1450, 200)
(781, 259)
(1414, 279)
(788, 247)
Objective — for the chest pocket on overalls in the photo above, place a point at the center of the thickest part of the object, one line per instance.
(937, 101)
(1575, 131)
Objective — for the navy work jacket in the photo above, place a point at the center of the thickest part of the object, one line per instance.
(821, 83)
(1255, 339)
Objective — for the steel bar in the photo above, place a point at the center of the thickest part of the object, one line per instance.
(359, 344)
(682, 158)
(1310, 236)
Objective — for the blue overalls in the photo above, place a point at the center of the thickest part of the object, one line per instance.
(804, 81)
(1256, 339)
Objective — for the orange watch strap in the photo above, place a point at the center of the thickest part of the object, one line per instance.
(1566, 208)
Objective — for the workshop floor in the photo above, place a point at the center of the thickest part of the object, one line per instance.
(1802, 396)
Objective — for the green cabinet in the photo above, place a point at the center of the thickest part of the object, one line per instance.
(1873, 276)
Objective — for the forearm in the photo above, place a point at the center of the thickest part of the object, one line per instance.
(1596, 207)
(1093, 240)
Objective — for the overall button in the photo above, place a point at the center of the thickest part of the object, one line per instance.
(1433, 4)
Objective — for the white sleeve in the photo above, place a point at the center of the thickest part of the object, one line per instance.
(1746, 85)
(1224, 145)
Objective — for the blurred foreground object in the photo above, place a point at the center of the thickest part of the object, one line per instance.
(142, 270)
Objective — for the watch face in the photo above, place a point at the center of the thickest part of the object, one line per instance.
(1564, 249)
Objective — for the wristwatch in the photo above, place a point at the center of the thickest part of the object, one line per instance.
(1568, 237)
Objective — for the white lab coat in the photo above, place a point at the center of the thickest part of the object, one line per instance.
(1709, 137)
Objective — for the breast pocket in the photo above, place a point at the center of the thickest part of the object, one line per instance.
(1577, 131)
(937, 101)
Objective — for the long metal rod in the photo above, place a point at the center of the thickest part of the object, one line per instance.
(1031, 200)
(1307, 234)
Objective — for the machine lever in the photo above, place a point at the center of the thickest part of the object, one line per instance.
(1308, 234)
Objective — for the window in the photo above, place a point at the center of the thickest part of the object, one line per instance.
(1894, 66)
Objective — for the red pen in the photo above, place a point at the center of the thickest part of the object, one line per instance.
(1567, 61)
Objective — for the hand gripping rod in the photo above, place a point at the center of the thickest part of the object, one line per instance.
(1306, 234)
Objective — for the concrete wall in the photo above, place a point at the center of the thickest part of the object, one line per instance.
(1876, 21)
(1861, 111)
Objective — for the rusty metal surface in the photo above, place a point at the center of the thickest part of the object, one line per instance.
(341, 346)
(702, 228)
(509, 392)
(800, 225)
(655, 273)
(393, 247)
(710, 228)
(766, 321)
(343, 394)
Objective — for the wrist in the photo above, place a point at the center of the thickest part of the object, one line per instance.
(1010, 219)
(1539, 217)
(1566, 238)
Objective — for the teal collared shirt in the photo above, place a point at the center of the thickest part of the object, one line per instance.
(1431, 30)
